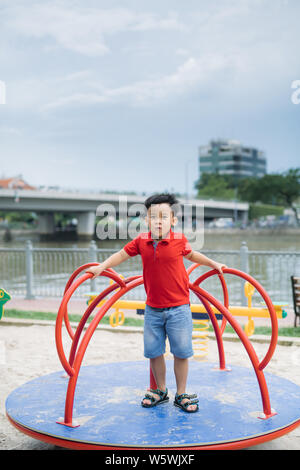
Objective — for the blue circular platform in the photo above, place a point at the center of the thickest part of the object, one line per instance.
(108, 411)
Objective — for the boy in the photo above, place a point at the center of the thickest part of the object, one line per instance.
(166, 282)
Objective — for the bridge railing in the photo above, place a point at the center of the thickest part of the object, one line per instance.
(42, 272)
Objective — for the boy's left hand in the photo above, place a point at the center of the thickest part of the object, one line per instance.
(218, 266)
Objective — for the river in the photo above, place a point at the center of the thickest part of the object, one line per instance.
(212, 240)
(51, 270)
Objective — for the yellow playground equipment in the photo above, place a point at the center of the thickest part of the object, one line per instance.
(200, 316)
(200, 338)
(4, 297)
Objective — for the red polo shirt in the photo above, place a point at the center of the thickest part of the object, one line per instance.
(165, 278)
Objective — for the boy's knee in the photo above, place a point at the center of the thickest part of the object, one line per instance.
(184, 357)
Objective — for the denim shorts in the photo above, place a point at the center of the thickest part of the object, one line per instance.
(173, 322)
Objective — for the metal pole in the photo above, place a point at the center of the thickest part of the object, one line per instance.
(93, 259)
(29, 269)
(244, 263)
(235, 207)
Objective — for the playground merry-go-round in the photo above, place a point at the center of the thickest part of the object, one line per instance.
(98, 406)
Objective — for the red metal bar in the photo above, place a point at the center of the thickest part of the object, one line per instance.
(89, 311)
(84, 343)
(59, 320)
(216, 328)
(153, 383)
(84, 319)
(247, 344)
(74, 365)
(192, 267)
(263, 293)
(114, 276)
(273, 316)
(62, 313)
(81, 268)
(68, 284)
(224, 288)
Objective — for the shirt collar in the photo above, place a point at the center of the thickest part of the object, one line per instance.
(165, 240)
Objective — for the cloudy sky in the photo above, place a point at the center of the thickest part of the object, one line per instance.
(118, 95)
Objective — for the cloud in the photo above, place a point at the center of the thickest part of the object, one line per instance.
(182, 52)
(10, 130)
(81, 29)
(229, 49)
(151, 22)
(32, 93)
(192, 73)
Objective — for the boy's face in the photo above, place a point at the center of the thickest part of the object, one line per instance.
(160, 218)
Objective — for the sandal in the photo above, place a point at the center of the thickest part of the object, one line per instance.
(163, 397)
(193, 400)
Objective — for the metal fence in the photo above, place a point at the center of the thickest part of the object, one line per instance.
(43, 272)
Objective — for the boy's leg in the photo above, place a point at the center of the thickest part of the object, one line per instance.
(181, 367)
(154, 345)
(179, 329)
(158, 366)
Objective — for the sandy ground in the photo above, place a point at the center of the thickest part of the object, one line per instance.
(27, 352)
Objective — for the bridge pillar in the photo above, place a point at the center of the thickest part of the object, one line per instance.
(46, 225)
(86, 224)
(244, 217)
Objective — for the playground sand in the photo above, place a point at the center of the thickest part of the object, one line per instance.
(27, 352)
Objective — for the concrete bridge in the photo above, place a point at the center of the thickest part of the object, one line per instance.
(86, 206)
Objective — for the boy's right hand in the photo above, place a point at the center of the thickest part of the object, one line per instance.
(95, 270)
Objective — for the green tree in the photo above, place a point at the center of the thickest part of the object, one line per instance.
(274, 188)
(213, 185)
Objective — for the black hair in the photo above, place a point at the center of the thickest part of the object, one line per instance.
(163, 198)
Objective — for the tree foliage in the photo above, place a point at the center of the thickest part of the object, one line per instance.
(277, 189)
(274, 188)
(215, 186)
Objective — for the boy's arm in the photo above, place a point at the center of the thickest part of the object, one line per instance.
(113, 260)
(198, 258)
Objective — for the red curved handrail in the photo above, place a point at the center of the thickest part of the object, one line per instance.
(247, 344)
(89, 311)
(77, 351)
(202, 278)
(217, 330)
(84, 343)
(265, 296)
(113, 275)
(85, 266)
(62, 312)
(192, 267)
